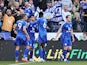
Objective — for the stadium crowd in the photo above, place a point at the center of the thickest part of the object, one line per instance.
(55, 11)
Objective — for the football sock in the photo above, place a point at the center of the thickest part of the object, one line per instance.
(25, 52)
(41, 52)
(64, 53)
(31, 54)
(16, 54)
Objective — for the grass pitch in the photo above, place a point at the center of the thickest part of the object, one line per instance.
(44, 63)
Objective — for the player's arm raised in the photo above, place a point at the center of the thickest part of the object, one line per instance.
(26, 33)
(14, 28)
(58, 32)
(72, 34)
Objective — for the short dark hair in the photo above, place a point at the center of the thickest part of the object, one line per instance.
(67, 16)
(41, 14)
(8, 9)
(31, 15)
(22, 16)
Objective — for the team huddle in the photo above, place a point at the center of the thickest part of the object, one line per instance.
(25, 35)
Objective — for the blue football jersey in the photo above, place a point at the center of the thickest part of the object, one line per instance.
(66, 29)
(28, 12)
(42, 38)
(31, 29)
(20, 24)
(42, 26)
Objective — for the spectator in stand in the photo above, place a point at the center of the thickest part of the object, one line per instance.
(6, 3)
(49, 5)
(16, 6)
(48, 15)
(54, 2)
(56, 13)
(68, 3)
(42, 4)
(84, 36)
(76, 4)
(77, 24)
(32, 6)
(65, 12)
(20, 1)
(27, 9)
(8, 21)
(48, 11)
(84, 14)
(10, 5)
(35, 3)
(83, 4)
(16, 11)
(73, 12)
(1, 6)
(36, 14)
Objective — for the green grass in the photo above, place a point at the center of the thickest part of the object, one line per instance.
(44, 63)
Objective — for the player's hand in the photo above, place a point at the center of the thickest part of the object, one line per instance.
(28, 38)
(53, 39)
(73, 39)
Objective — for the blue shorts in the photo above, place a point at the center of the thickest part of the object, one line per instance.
(42, 39)
(31, 43)
(66, 42)
(20, 41)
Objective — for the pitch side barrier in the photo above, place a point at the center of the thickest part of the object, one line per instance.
(53, 51)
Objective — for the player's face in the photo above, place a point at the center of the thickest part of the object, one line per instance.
(26, 18)
(32, 18)
(69, 18)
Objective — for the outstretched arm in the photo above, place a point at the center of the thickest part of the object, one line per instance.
(58, 32)
(72, 34)
(14, 28)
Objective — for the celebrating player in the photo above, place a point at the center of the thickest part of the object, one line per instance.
(31, 32)
(21, 38)
(42, 38)
(67, 33)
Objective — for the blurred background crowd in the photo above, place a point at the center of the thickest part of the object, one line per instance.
(55, 11)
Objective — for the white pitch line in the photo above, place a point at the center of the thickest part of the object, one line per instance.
(21, 63)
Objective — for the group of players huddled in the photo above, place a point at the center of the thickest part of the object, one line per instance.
(25, 35)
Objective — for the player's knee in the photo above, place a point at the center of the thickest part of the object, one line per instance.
(17, 47)
(65, 48)
(70, 48)
(28, 47)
